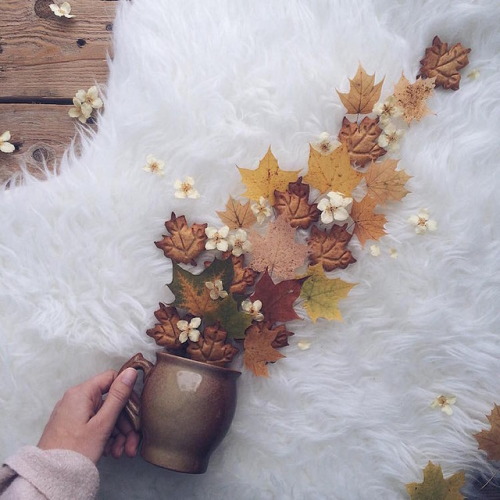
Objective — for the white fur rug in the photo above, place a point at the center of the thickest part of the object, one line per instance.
(210, 85)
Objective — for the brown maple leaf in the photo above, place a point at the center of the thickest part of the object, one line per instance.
(363, 94)
(361, 140)
(412, 97)
(237, 215)
(277, 299)
(367, 224)
(293, 204)
(384, 182)
(243, 276)
(277, 250)
(329, 248)
(282, 335)
(489, 441)
(166, 333)
(212, 347)
(184, 243)
(259, 351)
(443, 64)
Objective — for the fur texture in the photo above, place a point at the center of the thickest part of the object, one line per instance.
(210, 85)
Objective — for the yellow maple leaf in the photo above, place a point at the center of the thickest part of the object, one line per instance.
(412, 97)
(435, 486)
(332, 172)
(363, 94)
(384, 182)
(321, 294)
(237, 215)
(268, 177)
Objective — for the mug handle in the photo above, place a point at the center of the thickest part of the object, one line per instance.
(132, 408)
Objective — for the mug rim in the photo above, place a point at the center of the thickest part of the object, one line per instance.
(207, 366)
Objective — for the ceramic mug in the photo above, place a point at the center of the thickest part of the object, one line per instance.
(184, 412)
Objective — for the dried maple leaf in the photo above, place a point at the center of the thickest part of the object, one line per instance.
(435, 486)
(384, 182)
(489, 441)
(332, 172)
(293, 205)
(243, 276)
(267, 178)
(258, 348)
(282, 335)
(192, 295)
(321, 294)
(368, 225)
(277, 250)
(212, 347)
(328, 248)
(361, 140)
(443, 63)
(237, 215)
(166, 333)
(412, 97)
(363, 94)
(184, 243)
(277, 299)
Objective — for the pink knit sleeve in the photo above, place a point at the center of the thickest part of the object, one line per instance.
(35, 474)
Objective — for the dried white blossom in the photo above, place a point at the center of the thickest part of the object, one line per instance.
(261, 210)
(445, 403)
(375, 250)
(253, 308)
(474, 74)
(393, 253)
(389, 138)
(217, 238)
(154, 165)
(5, 145)
(325, 144)
(387, 110)
(90, 97)
(216, 289)
(239, 242)
(189, 330)
(185, 188)
(422, 222)
(81, 110)
(303, 345)
(334, 207)
(62, 10)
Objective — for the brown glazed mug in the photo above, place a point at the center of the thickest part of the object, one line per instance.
(185, 410)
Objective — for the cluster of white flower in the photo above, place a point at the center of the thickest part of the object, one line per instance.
(84, 104)
(224, 240)
(387, 112)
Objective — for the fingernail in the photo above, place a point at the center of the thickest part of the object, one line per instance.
(128, 376)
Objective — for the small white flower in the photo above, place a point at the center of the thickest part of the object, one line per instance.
(90, 97)
(474, 74)
(326, 143)
(335, 207)
(375, 250)
(422, 222)
(303, 345)
(81, 110)
(217, 238)
(185, 189)
(393, 253)
(445, 403)
(154, 165)
(216, 289)
(5, 145)
(189, 330)
(389, 138)
(239, 242)
(388, 109)
(261, 210)
(253, 308)
(62, 10)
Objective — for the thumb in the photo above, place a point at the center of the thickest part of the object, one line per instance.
(118, 395)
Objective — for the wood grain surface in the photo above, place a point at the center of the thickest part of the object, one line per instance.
(44, 61)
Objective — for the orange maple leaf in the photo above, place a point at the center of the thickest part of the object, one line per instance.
(363, 94)
(412, 97)
(443, 63)
(166, 333)
(259, 338)
(367, 224)
(489, 441)
(361, 140)
(184, 243)
(384, 182)
(237, 215)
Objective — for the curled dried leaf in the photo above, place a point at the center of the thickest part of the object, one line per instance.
(166, 332)
(212, 347)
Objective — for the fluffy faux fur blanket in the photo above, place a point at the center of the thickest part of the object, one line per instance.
(210, 85)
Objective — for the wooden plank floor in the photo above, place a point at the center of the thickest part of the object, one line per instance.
(44, 61)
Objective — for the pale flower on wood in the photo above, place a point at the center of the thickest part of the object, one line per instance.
(63, 10)
(5, 145)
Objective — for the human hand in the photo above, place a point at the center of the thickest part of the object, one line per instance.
(83, 422)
